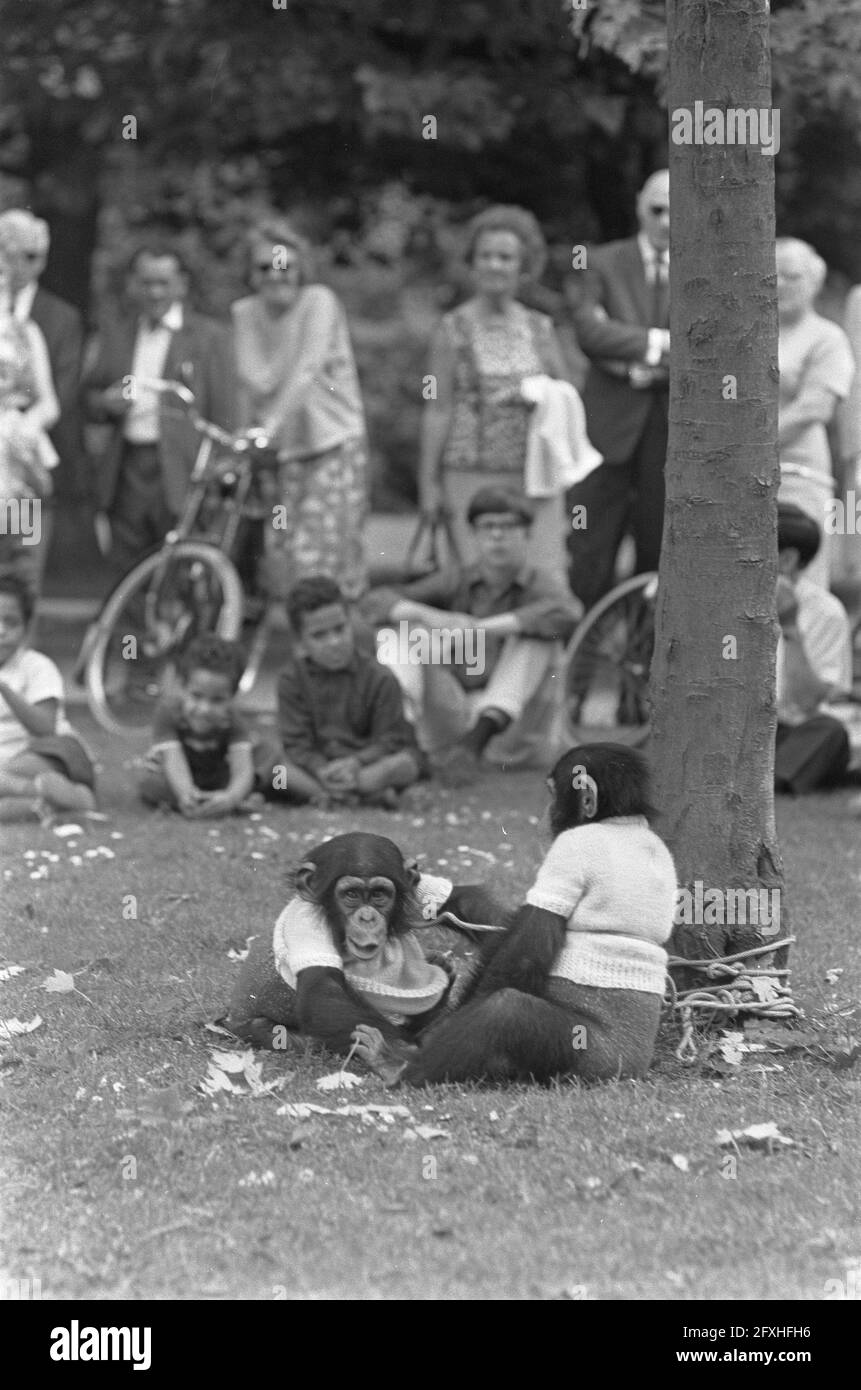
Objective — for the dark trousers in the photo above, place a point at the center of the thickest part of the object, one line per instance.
(618, 496)
(140, 516)
(810, 755)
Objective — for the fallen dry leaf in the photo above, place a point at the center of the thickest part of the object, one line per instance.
(216, 1081)
(755, 1137)
(61, 982)
(232, 1061)
(224, 1065)
(340, 1080)
(300, 1110)
(426, 1132)
(14, 1027)
(765, 988)
(778, 1038)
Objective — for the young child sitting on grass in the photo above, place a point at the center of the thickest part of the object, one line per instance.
(44, 767)
(340, 714)
(204, 762)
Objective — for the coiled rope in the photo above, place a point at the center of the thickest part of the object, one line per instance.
(761, 992)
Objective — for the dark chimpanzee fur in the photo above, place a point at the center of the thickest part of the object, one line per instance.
(364, 887)
(515, 1023)
(327, 1007)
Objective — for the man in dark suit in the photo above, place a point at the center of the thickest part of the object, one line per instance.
(143, 475)
(620, 308)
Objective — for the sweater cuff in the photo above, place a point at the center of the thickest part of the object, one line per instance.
(561, 906)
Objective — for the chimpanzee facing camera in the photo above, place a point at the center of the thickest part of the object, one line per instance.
(343, 953)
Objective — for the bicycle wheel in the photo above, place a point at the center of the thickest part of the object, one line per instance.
(154, 611)
(606, 666)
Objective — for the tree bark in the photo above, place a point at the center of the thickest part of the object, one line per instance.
(713, 684)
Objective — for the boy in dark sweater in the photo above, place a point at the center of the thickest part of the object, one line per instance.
(340, 714)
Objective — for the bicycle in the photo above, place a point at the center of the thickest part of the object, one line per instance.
(606, 665)
(189, 585)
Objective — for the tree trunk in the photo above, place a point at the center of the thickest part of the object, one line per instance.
(713, 668)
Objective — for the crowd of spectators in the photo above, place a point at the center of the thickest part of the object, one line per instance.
(509, 451)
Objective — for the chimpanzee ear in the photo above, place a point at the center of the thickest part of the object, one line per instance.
(411, 869)
(304, 881)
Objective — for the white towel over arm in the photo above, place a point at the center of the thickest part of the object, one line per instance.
(558, 450)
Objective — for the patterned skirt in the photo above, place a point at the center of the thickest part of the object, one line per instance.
(319, 530)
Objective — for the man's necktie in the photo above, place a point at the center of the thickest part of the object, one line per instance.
(660, 294)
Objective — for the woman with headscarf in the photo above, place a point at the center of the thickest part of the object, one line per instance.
(475, 427)
(816, 370)
(297, 380)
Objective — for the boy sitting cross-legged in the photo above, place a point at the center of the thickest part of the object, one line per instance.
(340, 713)
(203, 761)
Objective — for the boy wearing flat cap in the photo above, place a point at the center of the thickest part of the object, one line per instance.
(465, 695)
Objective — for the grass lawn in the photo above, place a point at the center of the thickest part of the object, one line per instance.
(121, 1180)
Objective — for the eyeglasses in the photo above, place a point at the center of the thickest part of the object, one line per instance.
(658, 209)
(505, 526)
(267, 268)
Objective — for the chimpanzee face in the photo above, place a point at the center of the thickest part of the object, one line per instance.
(365, 907)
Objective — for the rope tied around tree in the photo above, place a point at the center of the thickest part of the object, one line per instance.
(760, 992)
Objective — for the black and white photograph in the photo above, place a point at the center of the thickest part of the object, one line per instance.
(430, 668)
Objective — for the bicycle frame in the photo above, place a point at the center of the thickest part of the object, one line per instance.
(205, 471)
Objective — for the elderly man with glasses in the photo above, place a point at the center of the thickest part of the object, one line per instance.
(620, 307)
(485, 680)
(143, 475)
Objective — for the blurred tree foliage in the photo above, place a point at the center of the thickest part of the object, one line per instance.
(320, 108)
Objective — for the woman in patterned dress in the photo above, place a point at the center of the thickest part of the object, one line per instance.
(297, 380)
(475, 430)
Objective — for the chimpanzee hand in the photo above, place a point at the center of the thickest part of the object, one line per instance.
(386, 1057)
(472, 902)
(444, 963)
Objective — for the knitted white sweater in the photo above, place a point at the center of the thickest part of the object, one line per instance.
(615, 882)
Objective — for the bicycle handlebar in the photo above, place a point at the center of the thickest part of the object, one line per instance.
(237, 443)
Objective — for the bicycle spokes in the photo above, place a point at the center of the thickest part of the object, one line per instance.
(179, 600)
(607, 682)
